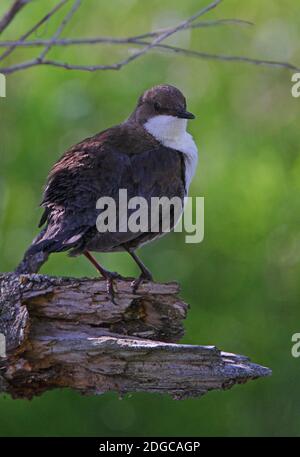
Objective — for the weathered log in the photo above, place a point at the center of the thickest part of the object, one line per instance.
(65, 332)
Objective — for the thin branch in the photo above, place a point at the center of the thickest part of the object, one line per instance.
(227, 58)
(113, 40)
(162, 36)
(139, 40)
(168, 33)
(23, 37)
(20, 66)
(200, 24)
(11, 13)
(229, 21)
(60, 29)
(187, 52)
(161, 47)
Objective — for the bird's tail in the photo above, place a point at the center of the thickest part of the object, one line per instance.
(34, 257)
(31, 263)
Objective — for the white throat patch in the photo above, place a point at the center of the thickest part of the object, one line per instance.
(171, 132)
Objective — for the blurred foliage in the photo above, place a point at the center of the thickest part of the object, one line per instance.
(243, 281)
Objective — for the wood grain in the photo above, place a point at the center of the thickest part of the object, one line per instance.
(65, 332)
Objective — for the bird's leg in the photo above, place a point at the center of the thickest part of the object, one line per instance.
(108, 275)
(145, 275)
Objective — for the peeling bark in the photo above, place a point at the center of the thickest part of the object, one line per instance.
(65, 332)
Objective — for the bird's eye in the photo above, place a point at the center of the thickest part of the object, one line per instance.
(157, 106)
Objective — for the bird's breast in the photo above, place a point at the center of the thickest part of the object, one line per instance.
(171, 132)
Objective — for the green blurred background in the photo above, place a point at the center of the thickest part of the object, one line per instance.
(242, 281)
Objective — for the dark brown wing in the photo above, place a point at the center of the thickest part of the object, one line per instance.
(98, 167)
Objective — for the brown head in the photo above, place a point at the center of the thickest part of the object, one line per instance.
(162, 100)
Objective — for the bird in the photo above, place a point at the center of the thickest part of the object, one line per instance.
(150, 154)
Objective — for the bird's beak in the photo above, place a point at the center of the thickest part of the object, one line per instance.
(185, 115)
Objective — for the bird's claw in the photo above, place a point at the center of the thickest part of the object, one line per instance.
(138, 281)
(110, 286)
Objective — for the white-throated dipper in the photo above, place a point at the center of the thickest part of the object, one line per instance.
(150, 155)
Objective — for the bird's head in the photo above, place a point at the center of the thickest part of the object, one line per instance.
(162, 107)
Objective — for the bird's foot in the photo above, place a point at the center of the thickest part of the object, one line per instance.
(145, 276)
(110, 278)
(116, 275)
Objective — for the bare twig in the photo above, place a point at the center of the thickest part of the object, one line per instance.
(58, 32)
(39, 60)
(161, 47)
(227, 58)
(139, 40)
(11, 13)
(168, 33)
(203, 55)
(111, 40)
(23, 37)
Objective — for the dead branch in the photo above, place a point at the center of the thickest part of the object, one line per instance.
(105, 39)
(161, 47)
(60, 29)
(139, 40)
(65, 332)
(11, 13)
(168, 33)
(21, 41)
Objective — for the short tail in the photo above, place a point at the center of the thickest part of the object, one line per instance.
(48, 240)
(34, 257)
(31, 263)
